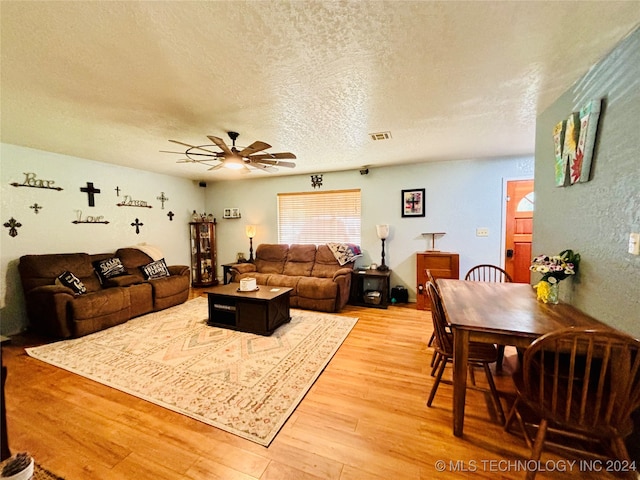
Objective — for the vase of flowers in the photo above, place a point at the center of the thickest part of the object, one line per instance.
(554, 269)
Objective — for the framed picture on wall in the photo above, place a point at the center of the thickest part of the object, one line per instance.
(413, 202)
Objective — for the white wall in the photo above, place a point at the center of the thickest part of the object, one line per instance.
(460, 196)
(52, 230)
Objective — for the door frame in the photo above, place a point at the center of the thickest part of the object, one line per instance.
(503, 213)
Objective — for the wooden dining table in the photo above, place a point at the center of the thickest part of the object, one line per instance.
(500, 313)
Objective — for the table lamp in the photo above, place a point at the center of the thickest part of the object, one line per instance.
(383, 233)
(250, 230)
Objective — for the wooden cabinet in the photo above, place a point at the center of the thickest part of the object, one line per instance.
(441, 265)
(203, 254)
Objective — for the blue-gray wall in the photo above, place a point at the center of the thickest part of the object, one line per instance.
(460, 196)
(596, 217)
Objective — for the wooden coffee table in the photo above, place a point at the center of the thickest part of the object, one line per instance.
(260, 311)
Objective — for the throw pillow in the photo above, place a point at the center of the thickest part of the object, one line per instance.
(69, 280)
(109, 268)
(157, 269)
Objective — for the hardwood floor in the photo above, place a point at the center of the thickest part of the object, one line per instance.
(365, 418)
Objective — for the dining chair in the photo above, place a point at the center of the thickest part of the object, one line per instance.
(490, 273)
(582, 384)
(431, 278)
(480, 354)
(487, 273)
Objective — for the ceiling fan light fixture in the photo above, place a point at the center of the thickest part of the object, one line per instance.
(235, 158)
(233, 162)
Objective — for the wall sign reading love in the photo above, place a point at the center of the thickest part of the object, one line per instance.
(89, 218)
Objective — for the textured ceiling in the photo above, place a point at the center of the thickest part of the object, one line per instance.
(114, 81)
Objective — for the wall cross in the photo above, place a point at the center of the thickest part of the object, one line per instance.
(137, 224)
(162, 199)
(13, 226)
(90, 190)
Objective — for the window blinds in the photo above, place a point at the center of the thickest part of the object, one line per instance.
(319, 217)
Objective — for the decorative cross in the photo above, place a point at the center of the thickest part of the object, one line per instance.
(162, 199)
(413, 200)
(13, 226)
(137, 224)
(90, 191)
(36, 207)
(170, 215)
(117, 189)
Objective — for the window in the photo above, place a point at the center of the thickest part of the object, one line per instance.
(319, 217)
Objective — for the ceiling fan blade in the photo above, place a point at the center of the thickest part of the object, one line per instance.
(253, 148)
(220, 143)
(194, 146)
(266, 168)
(280, 155)
(274, 162)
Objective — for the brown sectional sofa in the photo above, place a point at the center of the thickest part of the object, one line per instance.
(56, 310)
(317, 279)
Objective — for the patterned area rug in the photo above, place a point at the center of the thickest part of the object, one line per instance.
(243, 383)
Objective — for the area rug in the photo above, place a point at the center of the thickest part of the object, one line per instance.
(243, 383)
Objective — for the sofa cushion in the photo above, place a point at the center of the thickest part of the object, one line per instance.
(169, 291)
(300, 260)
(290, 281)
(97, 311)
(326, 264)
(69, 280)
(39, 270)
(133, 259)
(157, 269)
(109, 268)
(270, 258)
(122, 281)
(321, 288)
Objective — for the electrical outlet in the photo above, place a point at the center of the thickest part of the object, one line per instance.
(634, 243)
(482, 232)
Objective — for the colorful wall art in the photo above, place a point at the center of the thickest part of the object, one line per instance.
(574, 140)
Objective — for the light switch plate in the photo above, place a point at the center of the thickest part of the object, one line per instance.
(482, 232)
(634, 243)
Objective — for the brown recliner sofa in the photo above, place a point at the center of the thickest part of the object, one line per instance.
(58, 311)
(318, 280)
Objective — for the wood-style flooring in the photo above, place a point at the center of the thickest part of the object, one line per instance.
(365, 418)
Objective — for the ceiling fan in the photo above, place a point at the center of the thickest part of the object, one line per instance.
(233, 158)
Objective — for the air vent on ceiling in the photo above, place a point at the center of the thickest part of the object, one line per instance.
(380, 136)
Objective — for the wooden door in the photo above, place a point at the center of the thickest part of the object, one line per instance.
(519, 229)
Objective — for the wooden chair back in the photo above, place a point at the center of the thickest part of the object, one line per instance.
(487, 273)
(585, 380)
(443, 338)
(430, 277)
